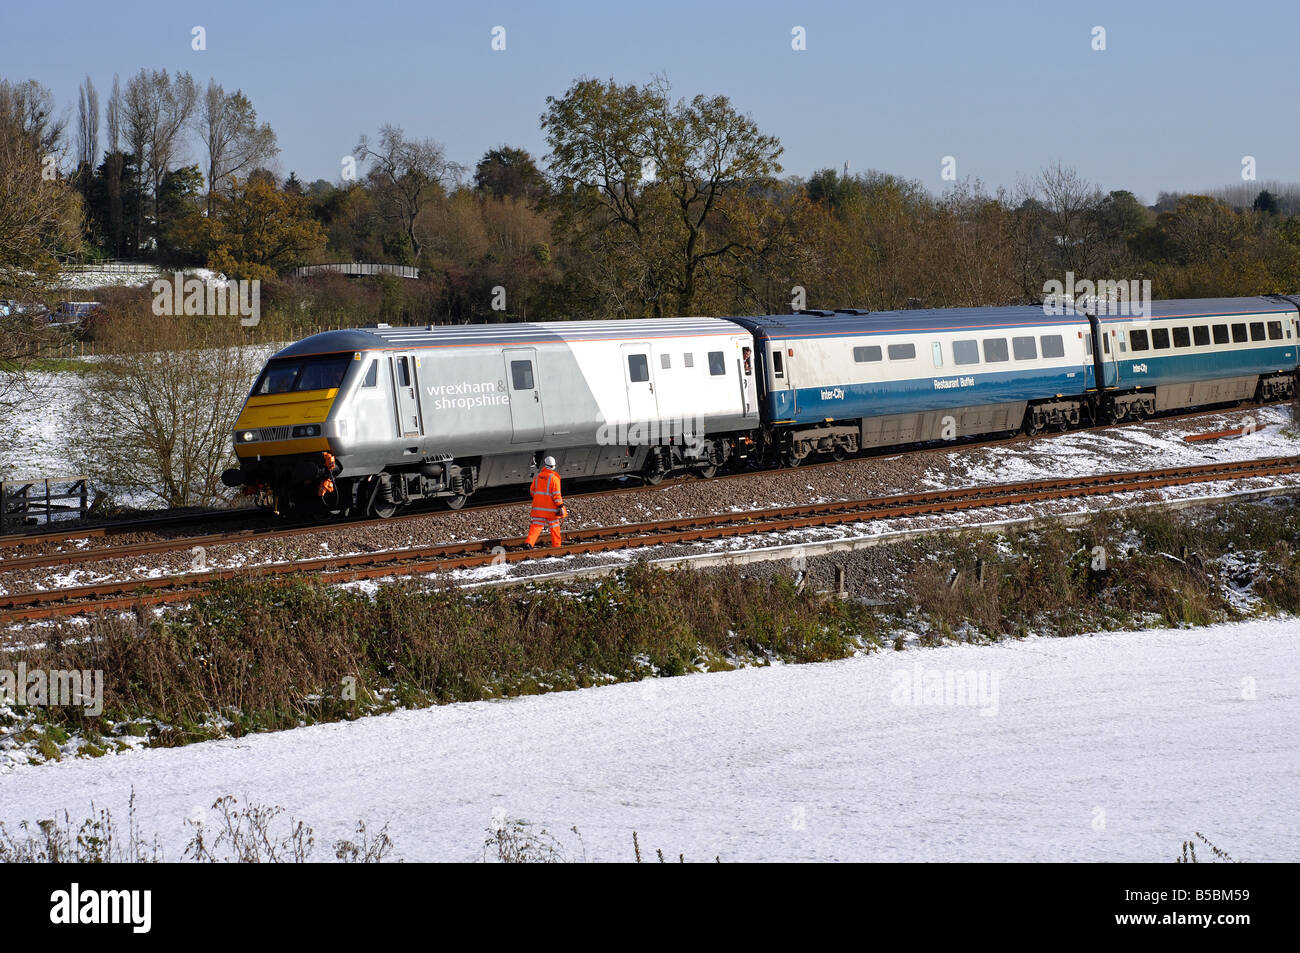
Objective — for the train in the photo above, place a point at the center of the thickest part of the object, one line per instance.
(368, 420)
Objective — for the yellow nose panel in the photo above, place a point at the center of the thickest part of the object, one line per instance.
(276, 410)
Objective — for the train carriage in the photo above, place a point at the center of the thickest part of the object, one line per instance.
(369, 419)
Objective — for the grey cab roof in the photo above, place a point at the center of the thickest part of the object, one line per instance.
(504, 335)
(852, 323)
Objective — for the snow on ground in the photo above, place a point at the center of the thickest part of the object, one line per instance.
(1120, 448)
(1101, 748)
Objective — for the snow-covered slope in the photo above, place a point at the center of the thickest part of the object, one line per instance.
(1113, 747)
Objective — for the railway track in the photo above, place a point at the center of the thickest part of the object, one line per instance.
(50, 603)
(172, 544)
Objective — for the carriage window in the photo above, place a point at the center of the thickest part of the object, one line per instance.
(1137, 340)
(902, 352)
(1257, 330)
(1238, 333)
(638, 368)
(372, 375)
(965, 352)
(866, 355)
(1182, 337)
(1201, 336)
(688, 360)
(1220, 334)
(1160, 338)
(666, 361)
(778, 364)
(1105, 342)
(717, 364)
(995, 350)
(1053, 345)
(1275, 330)
(1024, 349)
(521, 375)
(1087, 344)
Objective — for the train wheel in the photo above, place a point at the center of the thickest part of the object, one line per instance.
(790, 460)
(455, 502)
(653, 477)
(381, 511)
(839, 454)
(709, 472)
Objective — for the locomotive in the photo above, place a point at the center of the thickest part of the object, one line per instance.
(368, 420)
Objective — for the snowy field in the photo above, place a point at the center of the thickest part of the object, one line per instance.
(1100, 748)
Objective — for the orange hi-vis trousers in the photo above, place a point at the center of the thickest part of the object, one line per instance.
(547, 503)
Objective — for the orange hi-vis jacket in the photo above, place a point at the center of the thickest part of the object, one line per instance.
(547, 500)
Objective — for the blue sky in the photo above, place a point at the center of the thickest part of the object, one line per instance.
(1182, 92)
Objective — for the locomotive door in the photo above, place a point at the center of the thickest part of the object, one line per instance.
(407, 394)
(526, 423)
(642, 404)
(1105, 364)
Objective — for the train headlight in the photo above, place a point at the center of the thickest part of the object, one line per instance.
(246, 436)
(307, 430)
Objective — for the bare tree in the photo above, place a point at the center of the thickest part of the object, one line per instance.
(114, 159)
(87, 125)
(235, 143)
(408, 174)
(27, 109)
(157, 416)
(158, 108)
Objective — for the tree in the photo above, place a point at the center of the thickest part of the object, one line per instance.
(508, 172)
(259, 230)
(234, 141)
(157, 111)
(87, 125)
(1265, 202)
(40, 220)
(157, 414)
(407, 174)
(648, 177)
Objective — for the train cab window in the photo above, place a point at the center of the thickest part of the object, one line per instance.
(1238, 333)
(718, 364)
(1160, 338)
(1275, 330)
(403, 373)
(1053, 345)
(666, 361)
(902, 352)
(965, 352)
(521, 375)
(372, 375)
(1024, 349)
(313, 373)
(995, 350)
(688, 359)
(1257, 330)
(638, 368)
(867, 355)
(1137, 340)
(1182, 337)
(1220, 334)
(1201, 336)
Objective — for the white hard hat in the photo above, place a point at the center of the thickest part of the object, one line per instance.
(549, 462)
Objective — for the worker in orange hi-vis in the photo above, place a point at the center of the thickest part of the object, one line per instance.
(548, 505)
